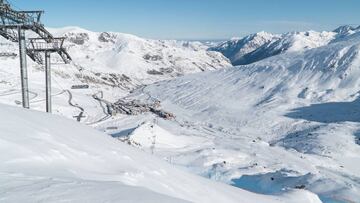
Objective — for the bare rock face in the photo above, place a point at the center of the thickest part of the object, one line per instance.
(107, 37)
(150, 57)
(77, 38)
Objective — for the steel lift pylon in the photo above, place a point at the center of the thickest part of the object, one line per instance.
(39, 45)
(12, 27)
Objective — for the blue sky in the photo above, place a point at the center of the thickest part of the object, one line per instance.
(196, 19)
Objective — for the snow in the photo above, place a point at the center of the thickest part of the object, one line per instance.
(50, 158)
(150, 135)
(112, 64)
(282, 126)
(20, 188)
(136, 57)
(346, 30)
(236, 48)
(289, 121)
(256, 47)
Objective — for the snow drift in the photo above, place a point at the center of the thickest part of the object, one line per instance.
(49, 158)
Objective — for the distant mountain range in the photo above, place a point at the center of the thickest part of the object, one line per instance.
(256, 47)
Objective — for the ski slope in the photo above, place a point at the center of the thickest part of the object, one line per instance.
(46, 158)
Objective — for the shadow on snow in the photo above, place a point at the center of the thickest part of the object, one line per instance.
(333, 112)
(280, 181)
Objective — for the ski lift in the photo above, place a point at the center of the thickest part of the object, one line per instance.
(78, 87)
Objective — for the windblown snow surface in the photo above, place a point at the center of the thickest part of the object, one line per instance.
(289, 121)
(46, 158)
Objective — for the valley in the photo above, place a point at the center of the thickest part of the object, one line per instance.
(278, 117)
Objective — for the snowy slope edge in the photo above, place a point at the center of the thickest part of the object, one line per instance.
(67, 161)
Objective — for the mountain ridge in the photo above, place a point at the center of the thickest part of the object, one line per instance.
(279, 44)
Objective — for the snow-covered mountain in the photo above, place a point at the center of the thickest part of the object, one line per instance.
(346, 30)
(97, 55)
(46, 158)
(112, 64)
(139, 59)
(282, 126)
(235, 49)
(289, 121)
(262, 45)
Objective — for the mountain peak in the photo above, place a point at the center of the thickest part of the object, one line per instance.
(345, 29)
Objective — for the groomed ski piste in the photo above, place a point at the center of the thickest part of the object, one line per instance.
(284, 127)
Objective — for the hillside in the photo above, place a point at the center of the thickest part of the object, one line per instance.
(139, 59)
(236, 48)
(52, 159)
(289, 121)
(112, 64)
